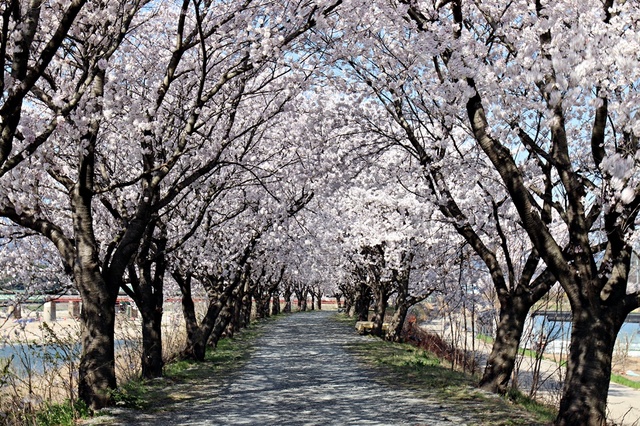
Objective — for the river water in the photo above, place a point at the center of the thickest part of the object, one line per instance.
(558, 334)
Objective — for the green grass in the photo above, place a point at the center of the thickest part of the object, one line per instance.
(182, 378)
(624, 381)
(415, 369)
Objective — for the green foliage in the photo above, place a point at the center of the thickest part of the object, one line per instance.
(130, 395)
(177, 368)
(542, 411)
(64, 414)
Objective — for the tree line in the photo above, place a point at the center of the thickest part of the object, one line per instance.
(338, 146)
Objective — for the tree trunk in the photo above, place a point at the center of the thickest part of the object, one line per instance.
(586, 385)
(394, 333)
(381, 302)
(501, 361)
(245, 308)
(303, 303)
(275, 304)
(147, 293)
(287, 300)
(338, 297)
(97, 375)
(198, 334)
(223, 321)
(362, 302)
(152, 362)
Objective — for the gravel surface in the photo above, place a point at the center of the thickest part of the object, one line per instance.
(300, 373)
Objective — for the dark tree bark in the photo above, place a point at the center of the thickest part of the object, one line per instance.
(381, 295)
(275, 303)
(362, 302)
(586, 385)
(198, 334)
(97, 361)
(404, 300)
(287, 299)
(223, 321)
(146, 290)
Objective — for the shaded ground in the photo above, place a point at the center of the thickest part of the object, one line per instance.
(303, 372)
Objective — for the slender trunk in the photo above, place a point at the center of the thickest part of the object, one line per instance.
(349, 305)
(299, 299)
(245, 307)
(194, 347)
(152, 362)
(303, 303)
(338, 297)
(319, 300)
(501, 361)
(149, 302)
(287, 301)
(265, 304)
(234, 321)
(586, 386)
(198, 334)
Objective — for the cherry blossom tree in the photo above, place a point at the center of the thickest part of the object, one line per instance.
(130, 122)
(546, 94)
(62, 101)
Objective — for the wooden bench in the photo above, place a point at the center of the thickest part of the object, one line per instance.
(365, 327)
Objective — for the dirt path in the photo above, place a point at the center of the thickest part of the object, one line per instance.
(299, 374)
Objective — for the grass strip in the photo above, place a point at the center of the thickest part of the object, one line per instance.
(183, 378)
(427, 376)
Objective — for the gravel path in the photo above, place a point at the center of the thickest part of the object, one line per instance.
(300, 374)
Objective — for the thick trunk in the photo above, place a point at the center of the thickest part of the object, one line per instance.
(97, 362)
(502, 359)
(222, 322)
(394, 333)
(97, 377)
(275, 304)
(584, 398)
(362, 302)
(381, 302)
